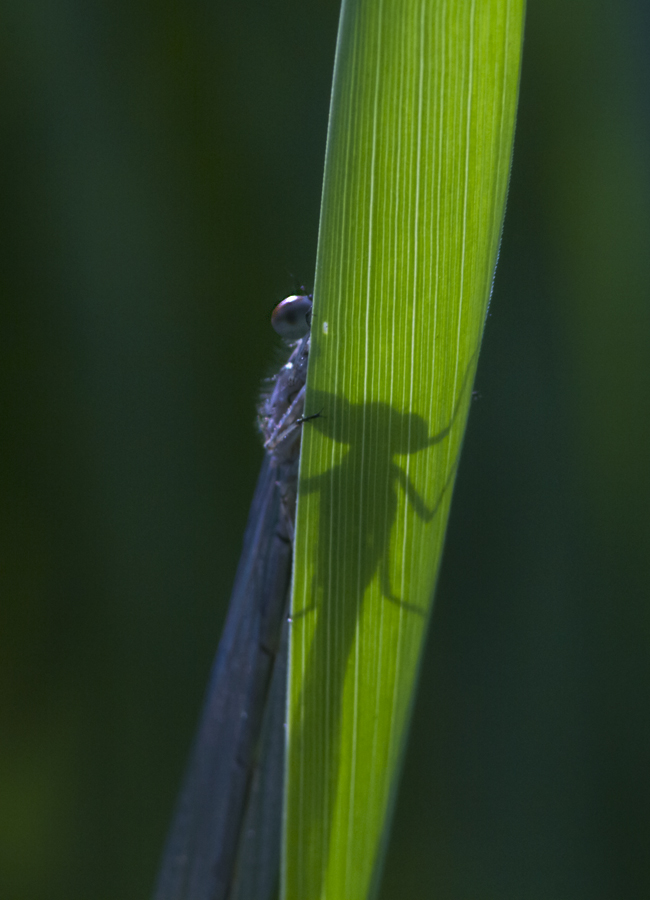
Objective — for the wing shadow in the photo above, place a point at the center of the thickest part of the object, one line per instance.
(369, 472)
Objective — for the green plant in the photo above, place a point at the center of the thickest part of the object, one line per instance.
(418, 156)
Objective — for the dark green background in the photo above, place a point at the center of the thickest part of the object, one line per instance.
(160, 174)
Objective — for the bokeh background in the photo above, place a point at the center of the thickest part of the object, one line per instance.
(160, 174)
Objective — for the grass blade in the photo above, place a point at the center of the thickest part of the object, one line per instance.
(418, 155)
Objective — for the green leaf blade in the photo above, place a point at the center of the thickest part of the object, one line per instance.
(418, 156)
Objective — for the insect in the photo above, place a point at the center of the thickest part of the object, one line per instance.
(224, 841)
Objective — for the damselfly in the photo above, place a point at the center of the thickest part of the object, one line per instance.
(224, 842)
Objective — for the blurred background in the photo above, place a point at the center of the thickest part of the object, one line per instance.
(160, 176)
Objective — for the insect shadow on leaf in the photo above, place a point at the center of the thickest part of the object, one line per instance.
(358, 502)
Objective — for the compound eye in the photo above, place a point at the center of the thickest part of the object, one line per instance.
(291, 318)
